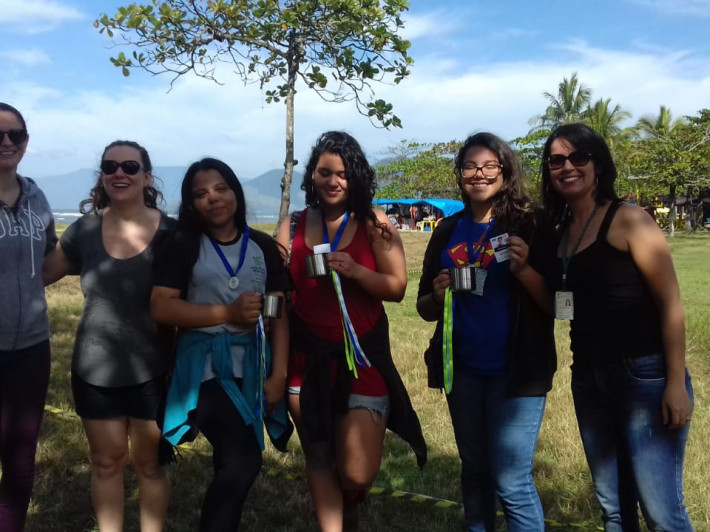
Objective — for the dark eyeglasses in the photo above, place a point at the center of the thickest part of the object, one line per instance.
(577, 158)
(16, 136)
(128, 167)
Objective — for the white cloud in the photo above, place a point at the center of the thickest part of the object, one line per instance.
(35, 16)
(26, 58)
(685, 8)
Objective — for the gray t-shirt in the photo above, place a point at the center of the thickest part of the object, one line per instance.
(117, 343)
(207, 281)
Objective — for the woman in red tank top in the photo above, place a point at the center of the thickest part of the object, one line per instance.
(341, 415)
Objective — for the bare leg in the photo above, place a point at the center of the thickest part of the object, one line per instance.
(153, 483)
(359, 442)
(108, 446)
(322, 477)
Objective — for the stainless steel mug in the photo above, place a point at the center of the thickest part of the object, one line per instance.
(272, 306)
(317, 265)
(463, 279)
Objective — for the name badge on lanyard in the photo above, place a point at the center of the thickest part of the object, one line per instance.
(564, 305)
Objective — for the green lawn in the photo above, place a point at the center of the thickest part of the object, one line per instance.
(279, 500)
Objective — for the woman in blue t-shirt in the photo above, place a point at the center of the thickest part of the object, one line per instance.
(493, 350)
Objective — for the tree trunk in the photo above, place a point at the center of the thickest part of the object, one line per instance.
(289, 162)
(672, 213)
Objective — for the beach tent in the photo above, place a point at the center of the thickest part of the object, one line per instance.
(446, 206)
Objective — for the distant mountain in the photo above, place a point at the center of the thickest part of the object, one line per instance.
(263, 193)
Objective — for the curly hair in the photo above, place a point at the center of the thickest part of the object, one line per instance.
(98, 198)
(580, 137)
(361, 178)
(511, 207)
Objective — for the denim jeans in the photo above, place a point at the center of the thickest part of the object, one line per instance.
(496, 438)
(619, 415)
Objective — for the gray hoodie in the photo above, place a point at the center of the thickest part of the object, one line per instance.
(27, 234)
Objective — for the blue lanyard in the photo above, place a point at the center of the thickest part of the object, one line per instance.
(338, 234)
(478, 246)
(242, 253)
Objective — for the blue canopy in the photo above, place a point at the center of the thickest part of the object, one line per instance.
(446, 206)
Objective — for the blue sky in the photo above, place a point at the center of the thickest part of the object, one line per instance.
(478, 66)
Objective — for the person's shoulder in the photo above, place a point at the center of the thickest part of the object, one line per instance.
(630, 216)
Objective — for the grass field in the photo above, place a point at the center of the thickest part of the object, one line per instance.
(279, 500)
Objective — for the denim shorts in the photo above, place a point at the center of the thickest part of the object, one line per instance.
(379, 404)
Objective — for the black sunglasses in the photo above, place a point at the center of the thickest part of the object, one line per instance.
(16, 136)
(577, 158)
(128, 167)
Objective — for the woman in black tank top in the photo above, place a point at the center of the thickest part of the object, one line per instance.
(614, 278)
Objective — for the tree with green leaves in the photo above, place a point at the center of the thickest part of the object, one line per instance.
(420, 171)
(607, 121)
(568, 105)
(338, 48)
(658, 126)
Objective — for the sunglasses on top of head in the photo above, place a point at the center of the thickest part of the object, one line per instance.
(128, 167)
(16, 136)
(577, 158)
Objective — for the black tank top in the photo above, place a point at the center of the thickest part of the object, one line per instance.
(615, 315)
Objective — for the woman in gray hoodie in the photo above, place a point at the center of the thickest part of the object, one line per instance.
(26, 236)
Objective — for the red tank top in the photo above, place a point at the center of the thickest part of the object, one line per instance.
(314, 299)
(315, 302)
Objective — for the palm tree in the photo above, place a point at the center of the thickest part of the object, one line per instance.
(567, 106)
(607, 122)
(659, 126)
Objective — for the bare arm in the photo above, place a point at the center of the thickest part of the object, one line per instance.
(651, 255)
(167, 307)
(55, 266)
(283, 236)
(389, 281)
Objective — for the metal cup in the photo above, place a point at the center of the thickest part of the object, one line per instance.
(463, 279)
(317, 265)
(272, 306)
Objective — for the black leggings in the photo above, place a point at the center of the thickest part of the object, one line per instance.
(24, 377)
(236, 458)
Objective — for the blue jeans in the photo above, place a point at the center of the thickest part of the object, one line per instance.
(631, 454)
(496, 437)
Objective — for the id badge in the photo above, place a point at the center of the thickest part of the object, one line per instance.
(480, 281)
(501, 247)
(564, 305)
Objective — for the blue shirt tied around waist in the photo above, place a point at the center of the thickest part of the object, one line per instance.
(192, 350)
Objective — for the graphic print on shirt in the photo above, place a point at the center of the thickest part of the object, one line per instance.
(12, 225)
(460, 256)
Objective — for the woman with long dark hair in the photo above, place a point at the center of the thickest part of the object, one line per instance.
(493, 348)
(344, 389)
(26, 236)
(120, 357)
(230, 371)
(613, 276)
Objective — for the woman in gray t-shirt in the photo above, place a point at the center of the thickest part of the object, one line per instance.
(120, 357)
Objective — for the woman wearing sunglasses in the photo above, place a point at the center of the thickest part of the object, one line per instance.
(343, 400)
(493, 349)
(230, 372)
(120, 357)
(26, 236)
(613, 277)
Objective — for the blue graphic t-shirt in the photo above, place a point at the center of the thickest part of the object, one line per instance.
(481, 323)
